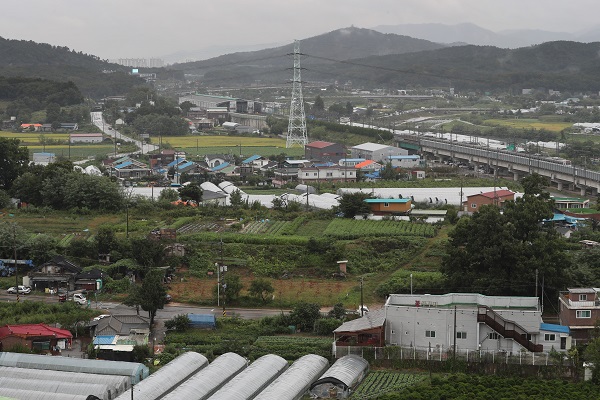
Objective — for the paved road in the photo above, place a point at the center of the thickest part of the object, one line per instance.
(105, 127)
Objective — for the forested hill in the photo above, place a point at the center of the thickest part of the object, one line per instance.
(561, 65)
(341, 44)
(40, 60)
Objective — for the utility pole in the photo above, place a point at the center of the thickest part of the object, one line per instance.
(15, 258)
(362, 307)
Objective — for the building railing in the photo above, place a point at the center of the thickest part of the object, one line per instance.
(466, 355)
(578, 304)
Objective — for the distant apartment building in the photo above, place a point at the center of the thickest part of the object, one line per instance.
(376, 152)
(140, 62)
(324, 151)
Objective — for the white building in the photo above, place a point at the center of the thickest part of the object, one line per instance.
(405, 161)
(473, 322)
(376, 152)
(334, 173)
(85, 138)
(44, 158)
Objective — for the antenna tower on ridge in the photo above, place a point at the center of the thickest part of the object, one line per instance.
(296, 133)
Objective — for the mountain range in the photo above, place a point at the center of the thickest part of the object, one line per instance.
(468, 33)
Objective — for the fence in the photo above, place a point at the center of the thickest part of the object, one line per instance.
(469, 356)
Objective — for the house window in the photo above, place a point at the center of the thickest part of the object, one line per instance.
(314, 174)
(583, 297)
(461, 335)
(306, 174)
(550, 337)
(430, 334)
(386, 204)
(474, 205)
(526, 336)
(493, 336)
(583, 314)
(329, 174)
(343, 173)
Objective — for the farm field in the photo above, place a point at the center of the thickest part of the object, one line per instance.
(524, 123)
(378, 383)
(347, 229)
(33, 138)
(76, 151)
(246, 146)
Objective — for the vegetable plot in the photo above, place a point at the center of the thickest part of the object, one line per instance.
(378, 383)
(352, 229)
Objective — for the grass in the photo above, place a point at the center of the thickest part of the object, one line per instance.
(28, 138)
(525, 123)
(222, 141)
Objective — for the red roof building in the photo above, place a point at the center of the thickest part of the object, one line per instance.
(36, 337)
(497, 197)
(324, 151)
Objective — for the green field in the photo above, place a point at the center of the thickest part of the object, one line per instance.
(350, 229)
(378, 383)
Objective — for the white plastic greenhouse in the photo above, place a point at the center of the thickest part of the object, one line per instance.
(210, 379)
(116, 384)
(343, 376)
(253, 379)
(168, 377)
(295, 381)
(58, 386)
(135, 371)
(23, 394)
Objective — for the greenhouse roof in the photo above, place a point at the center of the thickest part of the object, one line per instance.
(168, 377)
(296, 380)
(253, 379)
(210, 379)
(347, 371)
(136, 371)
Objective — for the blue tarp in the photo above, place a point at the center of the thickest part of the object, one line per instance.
(125, 164)
(220, 167)
(104, 339)
(554, 328)
(202, 320)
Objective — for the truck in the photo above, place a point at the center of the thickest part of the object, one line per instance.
(78, 298)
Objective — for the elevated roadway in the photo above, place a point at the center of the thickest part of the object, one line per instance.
(506, 162)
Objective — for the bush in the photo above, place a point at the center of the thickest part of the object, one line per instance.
(326, 326)
(178, 323)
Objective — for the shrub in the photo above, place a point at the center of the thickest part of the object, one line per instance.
(178, 323)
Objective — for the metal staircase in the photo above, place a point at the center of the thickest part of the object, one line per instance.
(507, 329)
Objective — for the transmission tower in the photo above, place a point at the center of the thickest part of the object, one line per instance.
(297, 125)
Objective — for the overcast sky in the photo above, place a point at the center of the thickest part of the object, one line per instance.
(154, 28)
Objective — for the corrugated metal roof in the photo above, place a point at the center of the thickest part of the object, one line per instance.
(319, 144)
(220, 167)
(348, 370)
(125, 164)
(104, 339)
(251, 158)
(372, 319)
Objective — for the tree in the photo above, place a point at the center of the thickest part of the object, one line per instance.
(147, 252)
(178, 323)
(191, 192)
(338, 311)
(352, 204)
(319, 104)
(235, 199)
(52, 112)
(13, 161)
(262, 289)
(232, 287)
(498, 253)
(150, 295)
(168, 195)
(388, 173)
(304, 315)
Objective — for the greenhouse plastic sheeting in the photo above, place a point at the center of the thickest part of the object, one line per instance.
(56, 386)
(116, 384)
(253, 379)
(345, 374)
(135, 371)
(167, 377)
(210, 379)
(296, 380)
(22, 394)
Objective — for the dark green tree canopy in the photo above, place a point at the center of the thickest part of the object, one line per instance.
(498, 253)
(13, 161)
(352, 204)
(191, 192)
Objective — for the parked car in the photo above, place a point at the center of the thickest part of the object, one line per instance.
(168, 298)
(21, 289)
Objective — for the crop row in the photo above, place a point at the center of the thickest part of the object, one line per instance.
(381, 382)
(350, 229)
(290, 348)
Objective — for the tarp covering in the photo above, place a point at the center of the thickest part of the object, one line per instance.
(56, 386)
(343, 375)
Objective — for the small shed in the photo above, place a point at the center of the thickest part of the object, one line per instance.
(365, 331)
(206, 321)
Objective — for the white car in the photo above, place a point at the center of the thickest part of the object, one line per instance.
(99, 317)
(21, 289)
(365, 310)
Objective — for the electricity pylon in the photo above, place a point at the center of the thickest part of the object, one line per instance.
(296, 133)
